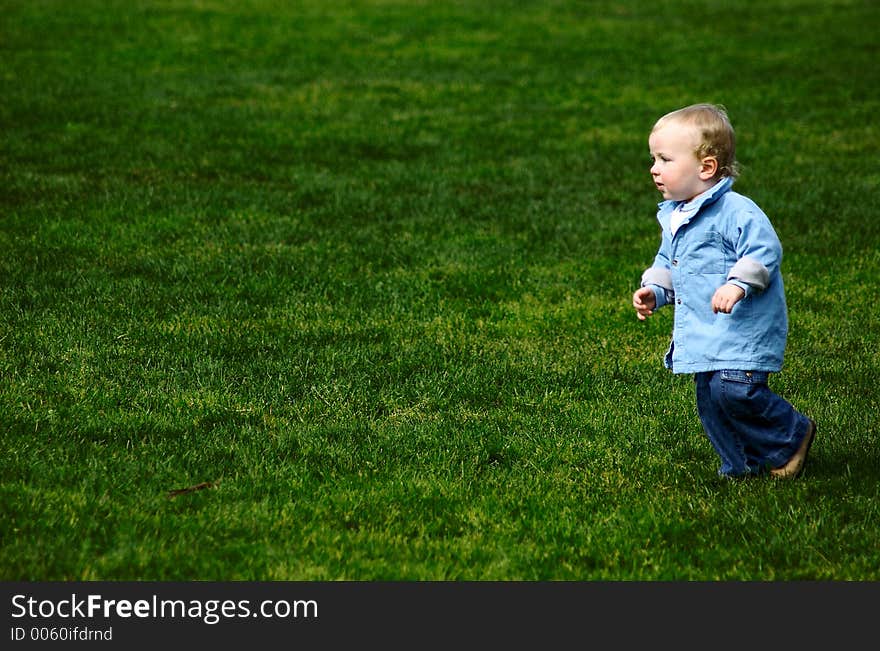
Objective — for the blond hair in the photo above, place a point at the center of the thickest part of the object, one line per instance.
(716, 136)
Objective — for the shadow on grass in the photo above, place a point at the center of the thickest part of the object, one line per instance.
(858, 472)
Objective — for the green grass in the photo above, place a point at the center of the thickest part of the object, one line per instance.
(367, 267)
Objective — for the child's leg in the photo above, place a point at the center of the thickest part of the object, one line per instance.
(762, 421)
(737, 457)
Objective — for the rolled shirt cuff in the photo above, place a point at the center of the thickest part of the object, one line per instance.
(750, 272)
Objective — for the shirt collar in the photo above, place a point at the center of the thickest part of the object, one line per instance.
(710, 195)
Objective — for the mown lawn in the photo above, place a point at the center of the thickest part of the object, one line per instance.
(365, 268)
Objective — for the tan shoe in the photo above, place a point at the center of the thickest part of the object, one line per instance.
(795, 465)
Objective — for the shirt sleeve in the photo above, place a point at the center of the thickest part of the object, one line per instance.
(659, 276)
(758, 252)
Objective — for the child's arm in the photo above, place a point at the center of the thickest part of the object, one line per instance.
(758, 256)
(656, 286)
(758, 252)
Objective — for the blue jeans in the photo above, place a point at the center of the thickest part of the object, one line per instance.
(751, 428)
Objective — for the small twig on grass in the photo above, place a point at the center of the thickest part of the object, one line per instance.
(191, 489)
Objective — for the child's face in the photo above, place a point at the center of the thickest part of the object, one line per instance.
(677, 172)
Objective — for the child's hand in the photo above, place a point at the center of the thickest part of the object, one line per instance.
(726, 297)
(644, 301)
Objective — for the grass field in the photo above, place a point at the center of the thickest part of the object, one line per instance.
(365, 268)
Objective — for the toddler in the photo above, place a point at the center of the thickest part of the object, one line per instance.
(718, 265)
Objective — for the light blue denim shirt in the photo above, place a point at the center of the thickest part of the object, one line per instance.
(725, 237)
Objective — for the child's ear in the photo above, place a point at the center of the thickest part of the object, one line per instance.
(708, 167)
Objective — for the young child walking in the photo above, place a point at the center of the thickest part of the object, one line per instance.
(718, 265)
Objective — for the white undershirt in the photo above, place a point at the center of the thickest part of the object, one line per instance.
(677, 217)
